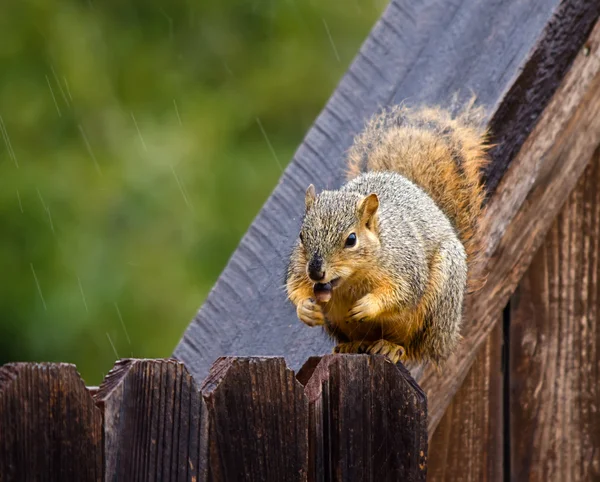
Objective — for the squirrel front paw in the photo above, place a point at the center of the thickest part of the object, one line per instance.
(365, 309)
(310, 312)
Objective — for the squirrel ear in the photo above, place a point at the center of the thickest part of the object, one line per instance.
(310, 197)
(367, 208)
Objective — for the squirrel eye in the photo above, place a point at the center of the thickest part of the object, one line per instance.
(350, 240)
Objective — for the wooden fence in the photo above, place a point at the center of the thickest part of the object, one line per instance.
(251, 419)
(528, 407)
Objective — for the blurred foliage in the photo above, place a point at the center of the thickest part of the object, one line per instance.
(132, 158)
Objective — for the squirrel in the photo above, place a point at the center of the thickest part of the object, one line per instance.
(382, 262)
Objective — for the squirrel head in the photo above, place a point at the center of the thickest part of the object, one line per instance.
(339, 234)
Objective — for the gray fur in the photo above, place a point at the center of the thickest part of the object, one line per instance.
(326, 222)
(412, 231)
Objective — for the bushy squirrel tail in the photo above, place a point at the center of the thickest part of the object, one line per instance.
(440, 152)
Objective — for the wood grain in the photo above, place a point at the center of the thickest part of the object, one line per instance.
(368, 421)
(555, 348)
(468, 443)
(50, 429)
(522, 210)
(153, 423)
(258, 421)
(511, 53)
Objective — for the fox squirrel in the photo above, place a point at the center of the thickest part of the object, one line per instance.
(382, 262)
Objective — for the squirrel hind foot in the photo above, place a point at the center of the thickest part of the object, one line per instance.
(395, 353)
(351, 347)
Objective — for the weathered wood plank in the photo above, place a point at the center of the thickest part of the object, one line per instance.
(511, 53)
(50, 429)
(468, 443)
(555, 348)
(257, 421)
(521, 211)
(153, 423)
(368, 421)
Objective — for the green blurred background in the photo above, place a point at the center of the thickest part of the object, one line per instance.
(132, 157)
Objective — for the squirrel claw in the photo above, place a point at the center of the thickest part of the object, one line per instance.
(392, 351)
(351, 347)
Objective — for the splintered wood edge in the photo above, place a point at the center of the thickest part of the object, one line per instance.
(119, 372)
(313, 387)
(218, 371)
(113, 379)
(306, 371)
(92, 390)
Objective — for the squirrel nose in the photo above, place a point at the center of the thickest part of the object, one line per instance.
(315, 269)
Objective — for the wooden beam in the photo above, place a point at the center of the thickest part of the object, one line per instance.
(511, 53)
(555, 347)
(522, 210)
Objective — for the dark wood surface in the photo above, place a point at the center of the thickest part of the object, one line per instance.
(511, 53)
(368, 421)
(555, 348)
(521, 211)
(468, 443)
(50, 429)
(342, 417)
(153, 423)
(257, 417)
